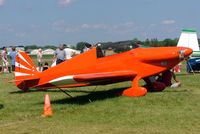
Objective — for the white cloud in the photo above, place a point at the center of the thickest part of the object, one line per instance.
(59, 23)
(93, 26)
(2, 2)
(127, 25)
(123, 28)
(65, 2)
(6, 28)
(20, 35)
(62, 26)
(168, 22)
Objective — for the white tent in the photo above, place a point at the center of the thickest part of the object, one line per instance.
(48, 52)
(45, 52)
(189, 39)
(34, 52)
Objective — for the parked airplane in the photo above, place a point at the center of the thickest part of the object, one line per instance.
(188, 38)
(86, 69)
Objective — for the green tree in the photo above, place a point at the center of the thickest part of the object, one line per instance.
(147, 42)
(31, 47)
(49, 47)
(154, 43)
(169, 42)
(80, 45)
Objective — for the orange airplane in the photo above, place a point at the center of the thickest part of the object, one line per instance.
(86, 69)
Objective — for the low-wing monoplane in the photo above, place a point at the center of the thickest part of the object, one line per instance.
(86, 69)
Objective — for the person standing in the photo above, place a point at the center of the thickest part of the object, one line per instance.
(40, 59)
(109, 52)
(87, 47)
(69, 52)
(99, 51)
(12, 56)
(5, 60)
(60, 55)
(46, 66)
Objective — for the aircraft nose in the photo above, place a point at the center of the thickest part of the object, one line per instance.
(188, 51)
(184, 53)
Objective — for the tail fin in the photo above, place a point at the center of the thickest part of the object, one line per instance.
(189, 39)
(25, 72)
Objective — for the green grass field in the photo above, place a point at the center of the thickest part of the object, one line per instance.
(98, 110)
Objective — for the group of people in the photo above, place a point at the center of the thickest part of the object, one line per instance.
(98, 49)
(62, 53)
(6, 67)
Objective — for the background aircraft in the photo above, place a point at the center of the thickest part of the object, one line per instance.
(86, 69)
(188, 38)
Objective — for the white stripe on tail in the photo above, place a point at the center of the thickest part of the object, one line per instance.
(25, 71)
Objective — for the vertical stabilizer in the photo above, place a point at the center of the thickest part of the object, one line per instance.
(25, 71)
(189, 39)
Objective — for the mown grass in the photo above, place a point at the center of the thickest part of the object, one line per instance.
(98, 109)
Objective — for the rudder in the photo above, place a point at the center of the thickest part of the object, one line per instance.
(25, 71)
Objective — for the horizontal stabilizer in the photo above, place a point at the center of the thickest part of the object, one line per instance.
(21, 80)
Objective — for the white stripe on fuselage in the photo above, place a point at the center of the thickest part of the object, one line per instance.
(65, 80)
(21, 74)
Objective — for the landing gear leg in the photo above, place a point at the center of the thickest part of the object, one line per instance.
(135, 90)
(66, 93)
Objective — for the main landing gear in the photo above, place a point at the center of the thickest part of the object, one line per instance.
(135, 90)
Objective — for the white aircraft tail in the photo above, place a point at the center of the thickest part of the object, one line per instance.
(189, 39)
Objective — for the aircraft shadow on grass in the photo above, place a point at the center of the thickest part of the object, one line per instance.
(32, 91)
(71, 90)
(90, 97)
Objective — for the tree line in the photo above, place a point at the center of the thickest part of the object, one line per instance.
(119, 46)
(122, 46)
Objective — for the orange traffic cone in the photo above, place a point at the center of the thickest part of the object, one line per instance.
(47, 106)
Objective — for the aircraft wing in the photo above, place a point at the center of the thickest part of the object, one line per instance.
(104, 76)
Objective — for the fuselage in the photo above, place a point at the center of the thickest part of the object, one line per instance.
(143, 61)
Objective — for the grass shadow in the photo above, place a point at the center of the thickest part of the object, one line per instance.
(187, 74)
(1, 106)
(90, 97)
(175, 90)
(51, 90)
(33, 91)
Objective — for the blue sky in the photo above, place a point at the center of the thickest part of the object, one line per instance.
(43, 22)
